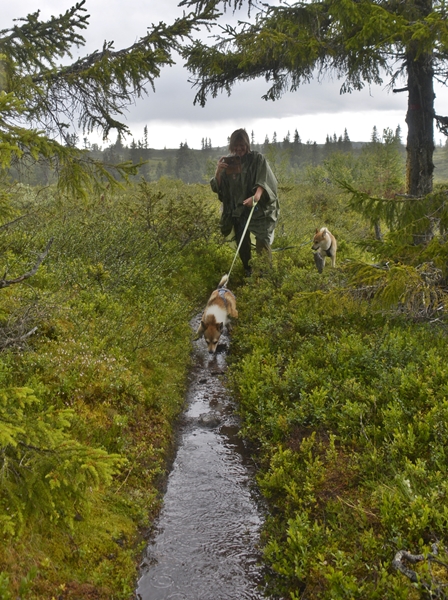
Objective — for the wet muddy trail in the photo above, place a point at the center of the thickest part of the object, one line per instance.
(204, 545)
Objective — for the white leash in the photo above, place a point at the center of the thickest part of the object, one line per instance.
(242, 237)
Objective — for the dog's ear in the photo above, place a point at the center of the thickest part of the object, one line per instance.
(317, 231)
(324, 231)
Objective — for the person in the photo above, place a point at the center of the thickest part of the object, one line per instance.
(239, 187)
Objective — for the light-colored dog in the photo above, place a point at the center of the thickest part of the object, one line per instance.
(220, 307)
(324, 244)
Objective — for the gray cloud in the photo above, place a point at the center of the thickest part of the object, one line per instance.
(174, 97)
(316, 109)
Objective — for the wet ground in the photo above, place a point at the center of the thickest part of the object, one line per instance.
(205, 540)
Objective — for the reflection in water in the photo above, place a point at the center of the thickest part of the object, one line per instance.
(205, 542)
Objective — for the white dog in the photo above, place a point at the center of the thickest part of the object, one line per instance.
(324, 244)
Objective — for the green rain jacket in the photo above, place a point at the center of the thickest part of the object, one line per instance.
(234, 189)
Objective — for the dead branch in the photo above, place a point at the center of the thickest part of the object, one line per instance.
(21, 326)
(11, 223)
(434, 590)
(399, 564)
(407, 197)
(7, 282)
(442, 124)
(17, 340)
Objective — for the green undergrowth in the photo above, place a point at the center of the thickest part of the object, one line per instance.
(348, 407)
(95, 351)
(340, 379)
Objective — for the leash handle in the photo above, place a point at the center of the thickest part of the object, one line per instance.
(242, 238)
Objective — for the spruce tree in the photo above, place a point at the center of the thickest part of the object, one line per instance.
(359, 41)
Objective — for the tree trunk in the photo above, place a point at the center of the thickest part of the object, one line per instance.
(420, 121)
(420, 141)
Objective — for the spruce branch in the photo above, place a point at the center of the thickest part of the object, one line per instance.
(96, 88)
(442, 124)
(43, 104)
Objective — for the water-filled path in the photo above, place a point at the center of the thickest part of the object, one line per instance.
(205, 540)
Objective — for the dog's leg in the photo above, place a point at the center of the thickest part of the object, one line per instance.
(324, 256)
(200, 330)
(232, 312)
(318, 261)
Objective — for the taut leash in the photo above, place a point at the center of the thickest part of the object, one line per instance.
(244, 233)
(242, 237)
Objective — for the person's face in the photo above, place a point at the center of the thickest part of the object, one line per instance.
(240, 148)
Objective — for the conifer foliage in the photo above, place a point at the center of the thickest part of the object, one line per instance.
(360, 42)
(43, 104)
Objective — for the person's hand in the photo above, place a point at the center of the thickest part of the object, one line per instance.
(250, 201)
(221, 166)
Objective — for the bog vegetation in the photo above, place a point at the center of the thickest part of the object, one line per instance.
(94, 352)
(341, 378)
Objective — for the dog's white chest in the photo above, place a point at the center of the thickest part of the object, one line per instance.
(219, 313)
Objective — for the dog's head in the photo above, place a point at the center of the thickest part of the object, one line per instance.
(212, 334)
(319, 237)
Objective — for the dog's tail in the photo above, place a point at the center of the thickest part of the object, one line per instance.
(224, 280)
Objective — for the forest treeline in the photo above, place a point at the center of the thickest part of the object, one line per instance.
(195, 166)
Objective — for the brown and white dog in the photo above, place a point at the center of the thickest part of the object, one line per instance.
(324, 244)
(220, 307)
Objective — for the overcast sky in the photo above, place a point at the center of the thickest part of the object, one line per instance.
(315, 110)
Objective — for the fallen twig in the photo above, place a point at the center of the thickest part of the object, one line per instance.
(403, 556)
(7, 282)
